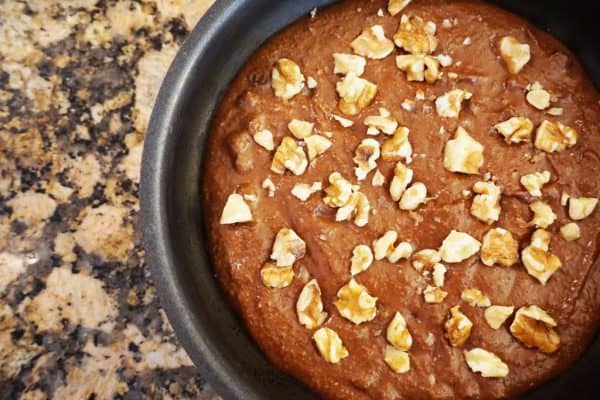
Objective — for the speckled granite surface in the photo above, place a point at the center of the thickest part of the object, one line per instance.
(79, 316)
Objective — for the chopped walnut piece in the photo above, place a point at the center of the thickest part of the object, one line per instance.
(302, 191)
(395, 6)
(384, 245)
(355, 93)
(346, 63)
(264, 138)
(413, 196)
(316, 145)
(276, 277)
(543, 216)
(384, 122)
(372, 43)
(311, 82)
(289, 155)
(533, 327)
(268, 185)
(514, 54)
(419, 67)
(236, 210)
(286, 79)
(344, 122)
(449, 104)
(458, 246)
(581, 207)
(309, 306)
(402, 178)
(362, 258)
(416, 36)
(409, 105)
(366, 156)
(555, 111)
(355, 303)
(499, 247)
(538, 97)
(358, 207)
(425, 259)
(475, 298)
(397, 333)
(496, 315)
(300, 129)
(438, 274)
(564, 199)
(397, 360)
(463, 153)
(486, 204)
(330, 345)
(552, 137)
(486, 363)
(378, 178)
(538, 260)
(458, 327)
(434, 294)
(535, 181)
(397, 147)
(339, 191)
(402, 251)
(287, 248)
(515, 129)
(444, 59)
(570, 231)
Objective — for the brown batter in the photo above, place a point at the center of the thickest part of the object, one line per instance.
(234, 162)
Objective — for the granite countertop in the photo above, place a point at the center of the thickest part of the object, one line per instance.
(79, 314)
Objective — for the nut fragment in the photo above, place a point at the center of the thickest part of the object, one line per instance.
(372, 43)
(289, 155)
(538, 260)
(458, 327)
(236, 210)
(535, 181)
(444, 59)
(346, 63)
(419, 67)
(264, 138)
(276, 277)
(514, 54)
(362, 258)
(543, 216)
(552, 137)
(416, 36)
(538, 97)
(355, 93)
(302, 191)
(581, 207)
(366, 156)
(486, 204)
(384, 245)
(398, 147)
(397, 360)
(344, 122)
(300, 129)
(475, 298)
(395, 6)
(570, 231)
(458, 246)
(533, 327)
(434, 294)
(384, 122)
(414, 196)
(287, 248)
(330, 345)
(499, 247)
(286, 79)
(378, 178)
(268, 185)
(496, 315)
(463, 153)
(358, 207)
(425, 259)
(339, 191)
(309, 306)
(515, 129)
(438, 274)
(397, 333)
(486, 363)
(402, 178)
(449, 104)
(316, 145)
(355, 303)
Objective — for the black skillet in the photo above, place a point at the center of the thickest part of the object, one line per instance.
(171, 210)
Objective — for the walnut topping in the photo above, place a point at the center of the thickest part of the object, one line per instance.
(286, 79)
(486, 204)
(397, 360)
(499, 247)
(426, 259)
(355, 93)
(555, 111)
(264, 138)
(397, 333)
(581, 207)
(438, 274)
(458, 327)
(463, 153)
(458, 246)
(330, 345)
(378, 178)
(486, 363)
(434, 294)
(311, 82)
(276, 277)
(444, 59)
(316, 145)
(538, 97)
(409, 105)
(287, 248)
(358, 207)
(413, 197)
(302, 191)
(552, 137)
(300, 129)
(348, 63)
(496, 315)
(384, 122)
(402, 178)
(419, 67)
(543, 216)
(533, 327)
(355, 303)
(385, 247)
(535, 181)
(475, 298)
(570, 231)
(289, 155)
(366, 156)
(416, 36)
(514, 54)
(372, 43)
(236, 210)
(339, 191)
(538, 260)
(309, 306)
(449, 104)
(515, 129)
(397, 147)
(362, 258)
(344, 122)
(395, 6)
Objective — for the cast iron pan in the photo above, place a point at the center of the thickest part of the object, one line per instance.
(171, 209)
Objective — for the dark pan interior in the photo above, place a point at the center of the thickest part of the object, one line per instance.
(171, 211)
